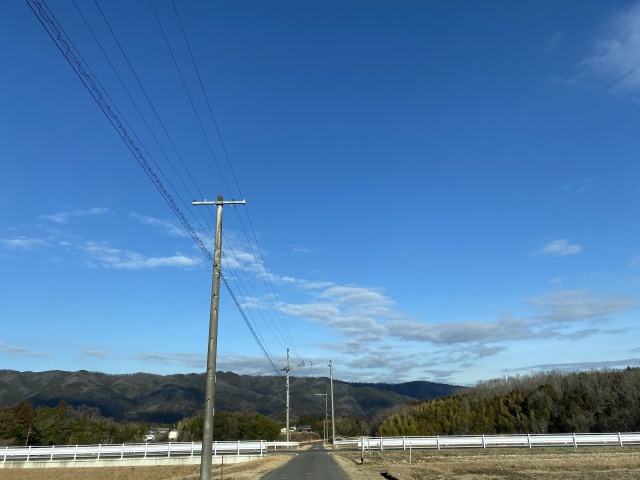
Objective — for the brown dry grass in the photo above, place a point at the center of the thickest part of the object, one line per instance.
(507, 464)
(240, 471)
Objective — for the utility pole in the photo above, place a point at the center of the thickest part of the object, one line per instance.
(210, 387)
(287, 369)
(333, 418)
(324, 422)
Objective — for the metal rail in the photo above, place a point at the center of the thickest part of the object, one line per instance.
(492, 441)
(136, 450)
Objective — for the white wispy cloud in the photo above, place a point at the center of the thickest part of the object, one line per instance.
(22, 243)
(189, 359)
(300, 250)
(578, 305)
(16, 351)
(578, 366)
(353, 295)
(102, 255)
(558, 248)
(614, 62)
(331, 315)
(382, 365)
(552, 44)
(508, 328)
(242, 257)
(249, 365)
(554, 309)
(579, 186)
(169, 227)
(67, 215)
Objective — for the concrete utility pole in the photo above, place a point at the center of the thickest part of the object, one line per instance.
(333, 418)
(287, 369)
(210, 387)
(324, 422)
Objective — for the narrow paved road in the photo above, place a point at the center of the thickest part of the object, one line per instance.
(313, 464)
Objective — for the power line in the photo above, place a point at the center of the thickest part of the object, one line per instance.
(154, 111)
(195, 111)
(209, 228)
(160, 121)
(289, 339)
(202, 129)
(89, 80)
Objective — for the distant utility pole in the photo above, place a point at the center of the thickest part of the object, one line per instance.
(207, 435)
(333, 418)
(287, 369)
(324, 422)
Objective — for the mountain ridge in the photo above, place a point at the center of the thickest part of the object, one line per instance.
(169, 398)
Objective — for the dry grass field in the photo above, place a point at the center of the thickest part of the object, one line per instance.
(493, 464)
(241, 471)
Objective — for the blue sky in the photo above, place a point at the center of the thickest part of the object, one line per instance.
(443, 191)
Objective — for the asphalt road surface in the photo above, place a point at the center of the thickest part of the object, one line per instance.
(313, 464)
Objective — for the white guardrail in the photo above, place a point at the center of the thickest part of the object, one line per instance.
(136, 450)
(490, 441)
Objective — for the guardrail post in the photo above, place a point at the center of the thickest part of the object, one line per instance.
(575, 444)
(145, 449)
(620, 439)
(29, 453)
(6, 450)
(438, 441)
(484, 445)
(381, 444)
(192, 446)
(529, 440)
(52, 450)
(238, 450)
(122, 452)
(169, 450)
(99, 446)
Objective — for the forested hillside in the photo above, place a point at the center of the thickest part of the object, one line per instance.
(143, 397)
(552, 402)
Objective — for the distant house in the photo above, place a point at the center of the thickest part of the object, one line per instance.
(304, 428)
(162, 434)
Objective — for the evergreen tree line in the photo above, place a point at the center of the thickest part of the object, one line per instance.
(21, 424)
(549, 402)
(230, 426)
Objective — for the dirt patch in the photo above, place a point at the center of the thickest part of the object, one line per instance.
(508, 464)
(241, 471)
